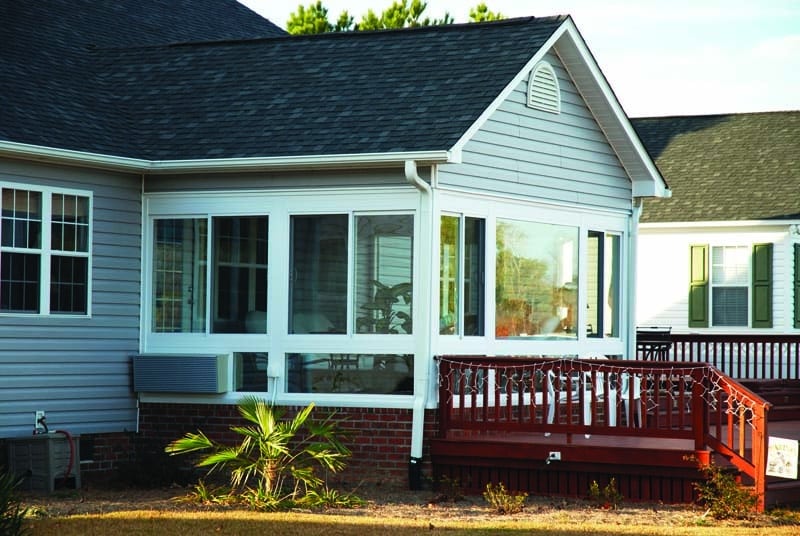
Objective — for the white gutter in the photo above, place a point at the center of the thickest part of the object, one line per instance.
(138, 165)
(422, 313)
(633, 244)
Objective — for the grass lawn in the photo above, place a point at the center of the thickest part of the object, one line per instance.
(235, 522)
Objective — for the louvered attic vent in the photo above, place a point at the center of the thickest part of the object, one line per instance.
(543, 91)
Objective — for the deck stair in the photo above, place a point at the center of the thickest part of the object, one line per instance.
(784, 395)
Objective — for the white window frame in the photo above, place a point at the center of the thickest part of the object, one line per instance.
(279, 206)
(748, 249)
(46, 252)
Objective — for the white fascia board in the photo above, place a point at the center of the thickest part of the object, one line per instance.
(718, 224)
(628, 146)
(104, 161)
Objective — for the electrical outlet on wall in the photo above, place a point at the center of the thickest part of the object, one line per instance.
(38, 424)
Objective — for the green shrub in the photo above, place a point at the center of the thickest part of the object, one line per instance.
(12, 515)
(723, 495)
(609, 497)
(274, 465)
(503, 501)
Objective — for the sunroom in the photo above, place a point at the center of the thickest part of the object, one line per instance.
(344, 295)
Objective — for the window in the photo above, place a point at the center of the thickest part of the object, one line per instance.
(44, 252)
(730, 282)
(388, 374)
(179, 268)
(603, 287)
(238, 276)
(318, 274)
(383, 274)
(734, 286)
(461, 297)
(536, 280)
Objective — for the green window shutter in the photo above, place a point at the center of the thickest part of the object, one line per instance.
(762, 285)
(698, 286)
(797, 285)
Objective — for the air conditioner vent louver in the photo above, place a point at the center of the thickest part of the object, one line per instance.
(543, 91)
(180, 373)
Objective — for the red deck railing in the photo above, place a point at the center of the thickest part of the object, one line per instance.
(693, 401)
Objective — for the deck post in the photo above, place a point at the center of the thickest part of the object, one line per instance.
(760, 440)
(699, 409)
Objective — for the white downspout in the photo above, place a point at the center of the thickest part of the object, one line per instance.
(633, 249)
(422, 313)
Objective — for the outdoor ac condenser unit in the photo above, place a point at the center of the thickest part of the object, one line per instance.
(180, 373)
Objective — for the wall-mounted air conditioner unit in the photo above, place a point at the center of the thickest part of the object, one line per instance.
(180, 373)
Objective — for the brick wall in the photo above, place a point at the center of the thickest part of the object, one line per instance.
(380, 439)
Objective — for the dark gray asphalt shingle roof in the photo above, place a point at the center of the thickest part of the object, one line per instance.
(725, 167)
(350, 93)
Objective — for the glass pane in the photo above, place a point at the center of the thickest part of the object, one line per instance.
(384, 261)
(251, 371)
(448, 275)
(68, 284)
(729, 306)
(730, 265)
(537, 280)
(19, 282)
(70, 223)
(350, 373)
(318, 274)
(474, 268)
(179, 276)
(611, 286)
(240, 274)
(594, 265)
(22, 218)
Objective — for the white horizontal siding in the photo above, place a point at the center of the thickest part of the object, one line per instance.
(77, 369)
(662, 284)
(544, 156)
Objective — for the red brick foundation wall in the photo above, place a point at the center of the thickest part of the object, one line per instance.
(380, 439)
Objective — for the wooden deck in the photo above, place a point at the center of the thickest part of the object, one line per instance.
(495, 427)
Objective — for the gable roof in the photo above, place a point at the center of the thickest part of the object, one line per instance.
(734, 167)
(244, 102)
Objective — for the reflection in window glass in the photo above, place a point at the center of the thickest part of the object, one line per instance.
(240, 274)
(383, 273)
(448, 275)
(603, 265)
(251, 371)
(350, 373)
(179, 282)
(318, 288)
(536, 280)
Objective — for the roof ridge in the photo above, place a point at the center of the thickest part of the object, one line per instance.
(359, 34)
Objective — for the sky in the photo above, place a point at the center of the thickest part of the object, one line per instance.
(676, 57)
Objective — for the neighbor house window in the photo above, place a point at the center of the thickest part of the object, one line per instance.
(730, 287)
(536, 280)
(603, 284)
(730, 283)
(44, 252)
(461, 276)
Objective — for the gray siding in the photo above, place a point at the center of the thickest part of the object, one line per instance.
(283, 180)
(540, 155)
(78, 369)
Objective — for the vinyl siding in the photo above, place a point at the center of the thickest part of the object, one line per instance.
(662, 286)
(78, 369)
(278, 180)
(563, 158)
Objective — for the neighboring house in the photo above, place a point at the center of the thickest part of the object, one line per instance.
(722, 255)
(306, 218)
